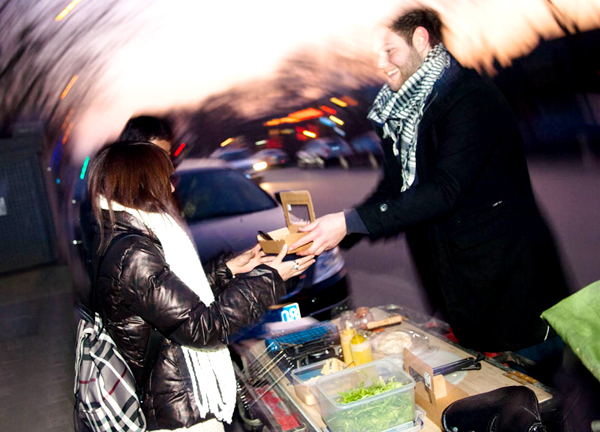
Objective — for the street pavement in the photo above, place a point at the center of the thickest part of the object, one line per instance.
(37, 323)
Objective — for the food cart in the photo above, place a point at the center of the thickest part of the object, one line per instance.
(269, 396)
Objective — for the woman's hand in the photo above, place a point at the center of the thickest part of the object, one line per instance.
(246, 262)
(288, 269)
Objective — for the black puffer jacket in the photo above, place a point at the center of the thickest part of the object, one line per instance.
(137, 291)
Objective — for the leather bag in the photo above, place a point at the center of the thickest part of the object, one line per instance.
(507, 409)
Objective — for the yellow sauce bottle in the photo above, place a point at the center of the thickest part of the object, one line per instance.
(361, 350)
(345, 338)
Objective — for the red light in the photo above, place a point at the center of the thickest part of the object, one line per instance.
(328, 110)
(179, 149)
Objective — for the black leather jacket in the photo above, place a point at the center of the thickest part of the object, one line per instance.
(136, 291)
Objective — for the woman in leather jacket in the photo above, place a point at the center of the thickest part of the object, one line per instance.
(148, 276)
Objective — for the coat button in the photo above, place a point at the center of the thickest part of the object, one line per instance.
(383, 208)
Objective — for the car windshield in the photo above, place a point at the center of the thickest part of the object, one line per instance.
(235, 156)
(210, 194)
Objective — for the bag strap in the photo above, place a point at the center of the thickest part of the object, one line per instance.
(154, 342)
(155, 339)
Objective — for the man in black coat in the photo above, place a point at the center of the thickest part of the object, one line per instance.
(456, 182)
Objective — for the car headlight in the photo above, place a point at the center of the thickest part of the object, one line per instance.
(327, 264)
(259, 166)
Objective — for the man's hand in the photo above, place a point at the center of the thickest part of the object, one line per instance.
(246, 262)
(326, 233)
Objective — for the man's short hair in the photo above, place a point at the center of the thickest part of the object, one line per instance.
(406, 24)
(147, 128)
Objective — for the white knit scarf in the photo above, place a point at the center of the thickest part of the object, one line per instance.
(400, 112)
(212, 375)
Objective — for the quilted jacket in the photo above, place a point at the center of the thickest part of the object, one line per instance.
(135, 291)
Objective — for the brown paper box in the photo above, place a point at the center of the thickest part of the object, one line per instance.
(288, 235)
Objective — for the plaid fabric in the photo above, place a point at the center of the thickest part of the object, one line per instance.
(105, 391)
(399, 113)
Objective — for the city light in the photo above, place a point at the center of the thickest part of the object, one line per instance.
(259, 166)
(306, 114)
(68, 87)
(309, 134)
(67, 10)
(328, 110)
(336, 120)
(349, 100)
(326, 121)
(84, 168)
(261, 142)
(67, 133)
(227, 142)
(338, 102)
(67, 118)
(179, 149)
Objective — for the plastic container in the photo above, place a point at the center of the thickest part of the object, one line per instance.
(305, 378)
(393, 410)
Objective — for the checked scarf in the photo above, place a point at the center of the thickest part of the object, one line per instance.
(399, 113)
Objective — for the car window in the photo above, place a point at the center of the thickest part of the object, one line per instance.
(210, 194)
(235, 156)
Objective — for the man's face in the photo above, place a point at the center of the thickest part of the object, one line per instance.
(397, 60)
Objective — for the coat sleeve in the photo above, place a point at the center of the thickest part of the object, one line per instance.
(218, 274)
(153, 292)
(467, 137)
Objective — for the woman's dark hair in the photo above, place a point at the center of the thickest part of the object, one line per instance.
(406, 24)
(135, 175)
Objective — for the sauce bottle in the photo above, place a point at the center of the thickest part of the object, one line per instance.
(346, 336)
(361, 349)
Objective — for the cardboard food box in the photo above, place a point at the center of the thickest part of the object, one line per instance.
(289, 235)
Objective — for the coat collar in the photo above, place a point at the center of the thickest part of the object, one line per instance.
(442, 95)
(124, 222)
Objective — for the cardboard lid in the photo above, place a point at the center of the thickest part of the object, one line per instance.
(296, 198)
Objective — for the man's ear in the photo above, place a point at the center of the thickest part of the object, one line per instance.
(420, 41)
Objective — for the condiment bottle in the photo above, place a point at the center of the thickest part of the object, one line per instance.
(361, 349)
(345, 339)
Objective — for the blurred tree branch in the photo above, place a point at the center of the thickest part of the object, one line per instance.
(39, 56)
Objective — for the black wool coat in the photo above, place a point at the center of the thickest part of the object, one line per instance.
(482, 249)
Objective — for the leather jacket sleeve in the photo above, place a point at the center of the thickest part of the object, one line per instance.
(153, 292)
(218, 274)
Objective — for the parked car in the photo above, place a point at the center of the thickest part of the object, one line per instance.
(367, 147)
(273, 157)
(225, 211)
(321, 152)
(242, 160)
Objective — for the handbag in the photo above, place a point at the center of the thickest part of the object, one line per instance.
(107, 397)
(507, 409)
